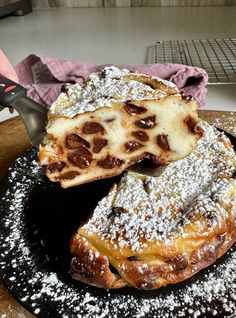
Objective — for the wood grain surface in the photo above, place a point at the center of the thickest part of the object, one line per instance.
(14, 141)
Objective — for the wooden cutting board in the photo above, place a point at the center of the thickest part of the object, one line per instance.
(14, 141)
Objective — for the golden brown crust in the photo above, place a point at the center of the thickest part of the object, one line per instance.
(90, 266)
(140, 274)
(179, 268)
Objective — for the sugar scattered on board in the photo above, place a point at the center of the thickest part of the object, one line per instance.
(226, 122)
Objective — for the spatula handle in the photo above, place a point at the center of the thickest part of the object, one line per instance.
(10, 91)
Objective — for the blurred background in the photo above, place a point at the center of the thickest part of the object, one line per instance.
(114, 31)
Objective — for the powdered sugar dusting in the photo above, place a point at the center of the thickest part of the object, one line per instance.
(154, 208)
(103, 89)
(226, 122)
(49, 294)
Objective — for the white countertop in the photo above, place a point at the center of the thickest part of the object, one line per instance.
(117, 35)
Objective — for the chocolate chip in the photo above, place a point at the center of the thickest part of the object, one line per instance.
(162, 141)
(134, 109)
(91, 127)
(109, 162)
(133, 145)
(80, 157)
(68, 175)
(56, 166)
(193, 125)
(146, 187)
(146, 123)
(98, 144)
(103, 74)
(117, 211)
(186, 98)
(74, 141)
(140, 135)
(133, 258)
(64, 88)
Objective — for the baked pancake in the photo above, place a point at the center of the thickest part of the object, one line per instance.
(149, 232)
(114, 120)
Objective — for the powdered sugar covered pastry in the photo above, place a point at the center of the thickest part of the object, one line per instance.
(107, 87)
(116, 119)
(157, 231)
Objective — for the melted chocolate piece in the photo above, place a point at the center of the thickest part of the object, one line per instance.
(162, 141)
(68, 175)
(146, 123)
(98, 144)
(134, 109)
(193, 125)
(140, 135)
(132, 145)
(74, 141)
(56, 166)
(109, 162)
(80, 157)
(91, 127)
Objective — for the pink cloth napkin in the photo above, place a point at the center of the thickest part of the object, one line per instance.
(43, 76)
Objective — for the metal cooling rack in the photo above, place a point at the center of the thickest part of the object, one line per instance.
(216, 56)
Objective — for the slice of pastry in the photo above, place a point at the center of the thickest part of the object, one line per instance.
(149, 232)
(116, 119)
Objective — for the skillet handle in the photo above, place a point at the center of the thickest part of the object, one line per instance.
(10, 91)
